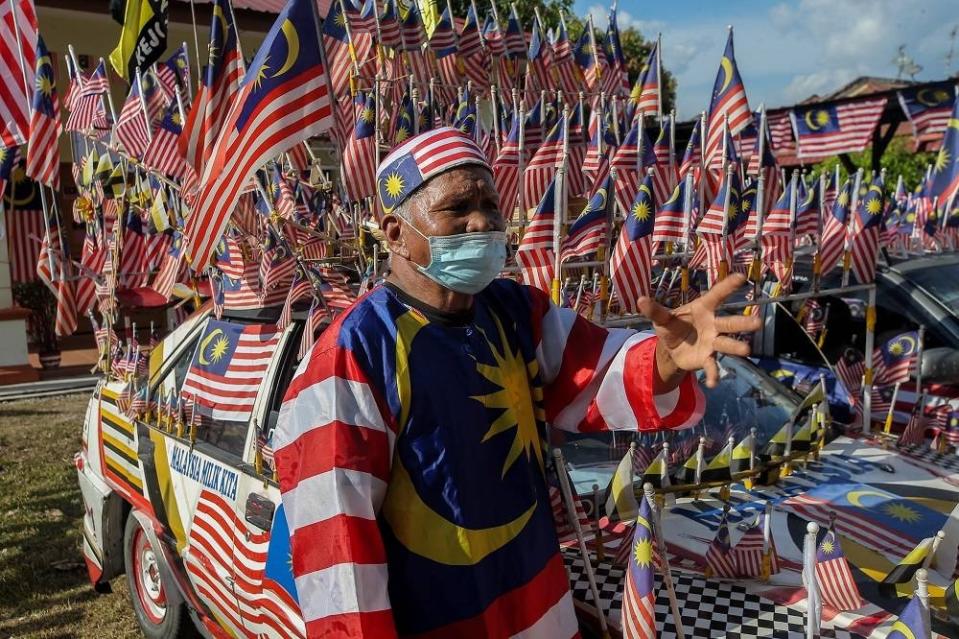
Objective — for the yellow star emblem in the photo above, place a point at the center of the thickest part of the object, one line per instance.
(641, 211)
(902, 512)
(874, 207)
(219, 349)
(394, 185)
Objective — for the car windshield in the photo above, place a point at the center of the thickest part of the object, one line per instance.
(745, 398)
(941, 281)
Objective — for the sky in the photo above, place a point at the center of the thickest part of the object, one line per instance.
(787, 51)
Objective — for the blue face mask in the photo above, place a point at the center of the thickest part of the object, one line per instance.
(465, 262)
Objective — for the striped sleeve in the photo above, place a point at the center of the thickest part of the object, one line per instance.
(602, 379)
(334, 442)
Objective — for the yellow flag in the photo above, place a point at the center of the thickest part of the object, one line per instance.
(161, 219)
(430, 10)
(621, 503)
(142, 38)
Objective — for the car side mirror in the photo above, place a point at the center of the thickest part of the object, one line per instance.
(259, 511)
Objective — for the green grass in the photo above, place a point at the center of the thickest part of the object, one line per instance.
(44, 590)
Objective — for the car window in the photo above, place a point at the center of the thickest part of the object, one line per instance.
(224, 376)
(941, 281)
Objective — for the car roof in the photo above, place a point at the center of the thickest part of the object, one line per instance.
(923, 262)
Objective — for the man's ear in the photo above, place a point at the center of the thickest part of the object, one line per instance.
(393, 230)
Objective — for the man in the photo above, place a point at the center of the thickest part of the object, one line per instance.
(411, 444)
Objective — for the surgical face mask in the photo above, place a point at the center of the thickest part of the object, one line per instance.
(465, 262)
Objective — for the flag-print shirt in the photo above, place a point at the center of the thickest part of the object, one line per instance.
(411, 453)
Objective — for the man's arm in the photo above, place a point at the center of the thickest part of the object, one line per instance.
(333, 445)
(605, 379)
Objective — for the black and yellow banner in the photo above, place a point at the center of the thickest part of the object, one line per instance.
(143, 37)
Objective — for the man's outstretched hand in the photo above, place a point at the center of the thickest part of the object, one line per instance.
(691, 335)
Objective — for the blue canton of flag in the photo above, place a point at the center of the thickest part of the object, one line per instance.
(945, 175)
(588, 231)
(639, 594)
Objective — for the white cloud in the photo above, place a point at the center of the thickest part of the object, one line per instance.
(790, 51)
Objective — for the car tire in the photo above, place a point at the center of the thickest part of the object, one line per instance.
(156, 617)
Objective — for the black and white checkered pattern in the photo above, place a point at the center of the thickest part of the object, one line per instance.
(709, 609)
(922, 452)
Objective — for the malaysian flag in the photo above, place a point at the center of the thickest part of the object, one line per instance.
(945, 174)
(443, 45)
(719, 562)
(506, 169)
(632, 158)
(133, 124)
(92, 258)
(895, 360)
(171, 268)
(850, 369)
(718, 226)
(728, 104)
(569, 79)
(163, 154)
(474, 57)
(16, 79)
(836, 583)
(217, 91)
(43, 149)
(646, 92)
(493, 36)
(359, 155)
(813, 318)
(86, 104)
(639, 592)
(825, 130)
(764, 164)
(616, 78)
(631, 264)
(133, 256)
(260, 602)
(515, 38)
(928, 108)
(275, 110)
(301, 289)
(692, 156)
(537, 69)
(864, 244)
(389, 26)
(535, 252)
(225, 373)
(174, 74)
(834, 230)
(665, 177)
(749, 554)
(277, 263)
(565, 531)
(671, 216)
(588, 232)
(542, 167)
(413, 33)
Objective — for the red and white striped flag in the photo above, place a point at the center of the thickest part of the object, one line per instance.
(271, 115)
(86, 104)
(535, 252)
(359, 155)
(219, 86)
(542, 167)
(17, 65)
(506, 169)
(43, 149)
(836, 583)
(133, 124)
(829, 129)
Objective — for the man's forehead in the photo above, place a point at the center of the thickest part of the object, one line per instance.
(463, 179)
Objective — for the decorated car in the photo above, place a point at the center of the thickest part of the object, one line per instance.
(177, 481)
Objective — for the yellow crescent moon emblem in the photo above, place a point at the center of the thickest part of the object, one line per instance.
(855, 497)
(902, 628)
(909, 344)
(931, 97)
(218, 15)
(601, 204)
(292, 47)
(727, 66)
(810, 124)
(22, 191)
(953, 123)
(417, 526)
(206, 342)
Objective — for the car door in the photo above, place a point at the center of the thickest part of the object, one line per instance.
(206, 396)
(264, 583)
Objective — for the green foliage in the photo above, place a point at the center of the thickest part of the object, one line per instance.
(899, 159)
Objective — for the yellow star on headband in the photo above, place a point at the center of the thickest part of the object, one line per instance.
(394, 185)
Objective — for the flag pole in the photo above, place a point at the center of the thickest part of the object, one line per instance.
(847, 253)
(650, 495)
(813, 601)
(559, 213)
(560, 467)
(521, 162)
(687, 230)
(867, 377)
(892, 408)
(756, 269)
(817, 258)
(196, 45)
(26, 134)
(143, 105)
(659, 82)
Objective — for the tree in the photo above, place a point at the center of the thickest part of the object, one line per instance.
(635, 47)
(899, 159)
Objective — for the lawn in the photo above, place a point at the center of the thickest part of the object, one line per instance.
(44, 591)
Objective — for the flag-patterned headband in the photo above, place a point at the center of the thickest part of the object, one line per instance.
(421, 157)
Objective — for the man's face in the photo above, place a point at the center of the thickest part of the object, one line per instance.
(463, 200)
